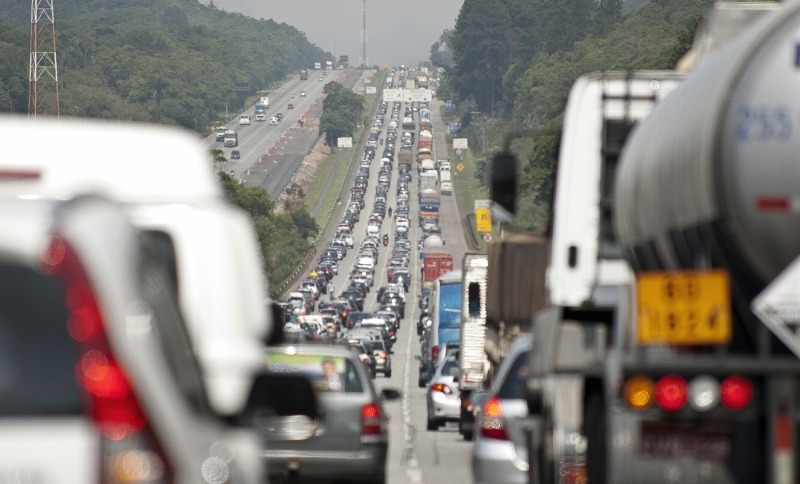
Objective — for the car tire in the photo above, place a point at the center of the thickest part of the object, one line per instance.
(388, 373)
(433, 425)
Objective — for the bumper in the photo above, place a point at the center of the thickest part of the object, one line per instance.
(367, 465)
(495, 461)
(444, 407)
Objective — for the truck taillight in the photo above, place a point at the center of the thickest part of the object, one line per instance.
(492, 424)
(672, 393)
(736, 393)
(130, 453)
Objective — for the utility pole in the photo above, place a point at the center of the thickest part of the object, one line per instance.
(43, 67)
(477, 120)
(364, 33)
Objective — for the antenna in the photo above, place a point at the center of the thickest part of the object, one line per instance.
(43, 68)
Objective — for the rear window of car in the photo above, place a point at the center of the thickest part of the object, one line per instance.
(514, 384)
(328, 374)
(37, 355)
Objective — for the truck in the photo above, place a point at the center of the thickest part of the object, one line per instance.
(264, 101)
(472, 357)
(317, 66)
(435, 262)
(425, 139)
(445, 315)
(587, 277)
(428, 180)
(303, 74)
(231, 139)
(220, 133)
(405, 157)
(328, 65)
(429, 204)
(719, 235)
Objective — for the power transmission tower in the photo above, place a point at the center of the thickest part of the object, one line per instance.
(43, 68)
(364, 33)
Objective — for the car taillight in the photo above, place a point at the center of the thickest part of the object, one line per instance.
(130, 453)
(372, 422)
(492, 425)
(672, 393)
(441, 387)
(435, 353)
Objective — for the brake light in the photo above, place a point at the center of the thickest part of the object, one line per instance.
(435, 353)
(736, 392)
(672, 393)
(372, 422)
(492, 425)
(129, 451)
(442, 388)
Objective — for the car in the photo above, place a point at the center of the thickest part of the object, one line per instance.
(290, 106)
(302, 94)
(244, 119)
(235, 155)
(279, 116)
(273, 121)
(319, 79)
(499, 453)
(350, 440)
(442, 395)
(97, 360)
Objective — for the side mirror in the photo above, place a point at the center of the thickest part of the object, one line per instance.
(390, 394)
(503, 184)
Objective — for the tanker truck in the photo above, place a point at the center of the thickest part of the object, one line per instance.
(704, 382)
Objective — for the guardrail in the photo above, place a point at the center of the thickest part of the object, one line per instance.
(469, 219)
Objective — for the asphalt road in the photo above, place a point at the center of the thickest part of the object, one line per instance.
(416, 455)
(270, 155)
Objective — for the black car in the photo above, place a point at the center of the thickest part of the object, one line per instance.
(235, 155)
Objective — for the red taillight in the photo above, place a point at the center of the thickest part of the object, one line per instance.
(672, 393)
(492, 425)
(129, 452)
(736, 392)
(372, 423)
(435, 353)
(441, 387)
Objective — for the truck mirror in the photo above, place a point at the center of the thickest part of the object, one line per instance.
(503, 184)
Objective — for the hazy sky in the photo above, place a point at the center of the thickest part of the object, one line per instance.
(398, 31)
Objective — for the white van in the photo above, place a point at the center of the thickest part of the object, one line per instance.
(211, 244)
(244, 119)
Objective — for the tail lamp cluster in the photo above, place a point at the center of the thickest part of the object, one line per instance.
(701, 393)
(130, 452)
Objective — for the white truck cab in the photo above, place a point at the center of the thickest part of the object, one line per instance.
(244, 119)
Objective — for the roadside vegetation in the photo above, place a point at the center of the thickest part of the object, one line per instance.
(515, 61)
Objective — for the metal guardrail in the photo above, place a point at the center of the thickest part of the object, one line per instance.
(469, 219)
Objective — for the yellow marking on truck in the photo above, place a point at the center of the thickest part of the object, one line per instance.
(688, 307)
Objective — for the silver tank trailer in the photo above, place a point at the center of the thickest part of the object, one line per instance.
(712, 176)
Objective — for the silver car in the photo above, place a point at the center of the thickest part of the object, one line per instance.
(500, 450)
(99, 382)
(442, 396)
(351, 437)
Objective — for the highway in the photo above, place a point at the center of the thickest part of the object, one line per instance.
(271, 154)
(416, 455)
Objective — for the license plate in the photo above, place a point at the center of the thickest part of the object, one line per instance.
(660, 442)
(683, 307)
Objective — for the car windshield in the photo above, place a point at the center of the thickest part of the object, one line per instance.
(328, 374)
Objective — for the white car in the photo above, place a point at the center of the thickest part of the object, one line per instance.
(244, 119)
(443, 397)
(402, 222)
(302, 94)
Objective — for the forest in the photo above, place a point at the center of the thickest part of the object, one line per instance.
(175, 62)
(514, 62)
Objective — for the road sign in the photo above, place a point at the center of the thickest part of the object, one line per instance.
(778, 306)
(688, 307)
(460, 167)
(345, 142)
(458, 152)
(460, 143)
(487, 237)
(483, 215)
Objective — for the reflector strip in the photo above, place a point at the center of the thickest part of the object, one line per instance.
(19, 175)
(776, 204)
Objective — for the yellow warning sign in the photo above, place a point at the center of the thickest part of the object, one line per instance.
(460, 167)
(483, 220)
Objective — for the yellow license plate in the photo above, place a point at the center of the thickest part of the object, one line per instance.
(683, 307)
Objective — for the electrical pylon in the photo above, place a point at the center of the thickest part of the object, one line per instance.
(43, 68)
(364, 33)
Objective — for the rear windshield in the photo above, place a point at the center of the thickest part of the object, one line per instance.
(328, 374)
(513, 386)
(37, 355)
